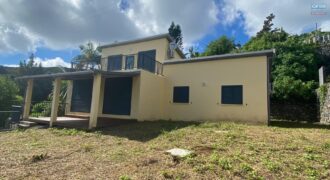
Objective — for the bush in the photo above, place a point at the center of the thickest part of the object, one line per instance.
(8, 92)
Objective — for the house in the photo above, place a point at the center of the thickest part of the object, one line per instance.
(147, 79)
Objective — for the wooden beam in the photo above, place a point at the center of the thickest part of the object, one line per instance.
(55, 101)
(95, 105)
(27, 100)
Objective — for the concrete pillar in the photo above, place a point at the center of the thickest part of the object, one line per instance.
(68, 96)
(95, 105)
(55, 101)
(27, 100)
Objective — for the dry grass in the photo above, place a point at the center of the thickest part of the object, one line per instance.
(136, 151)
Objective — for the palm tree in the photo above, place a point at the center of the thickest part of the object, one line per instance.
(90, 57)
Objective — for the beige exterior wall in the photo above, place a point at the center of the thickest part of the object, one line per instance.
(160, 45)
(151, 96)
(205, 80)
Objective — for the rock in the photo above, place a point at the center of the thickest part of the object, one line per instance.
(177, 152)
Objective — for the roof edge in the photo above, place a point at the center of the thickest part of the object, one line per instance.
(268, 53)
(149, 38)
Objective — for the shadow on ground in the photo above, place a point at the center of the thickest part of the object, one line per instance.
(144, 131)
(297, 124)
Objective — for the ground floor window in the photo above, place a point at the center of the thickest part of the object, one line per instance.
(232, 94)
(181, 94)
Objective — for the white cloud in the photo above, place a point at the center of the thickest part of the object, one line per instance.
(68, 23)
(55, 62)
(10, 65)
(196, 18)
(293, 15)
(45, 62)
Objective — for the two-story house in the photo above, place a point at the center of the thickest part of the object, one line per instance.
(149, 79)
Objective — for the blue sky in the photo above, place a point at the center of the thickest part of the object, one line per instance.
(53, 31)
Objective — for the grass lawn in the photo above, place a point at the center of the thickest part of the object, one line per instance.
(136, 151)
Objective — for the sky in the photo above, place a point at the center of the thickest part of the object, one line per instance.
(53, 30)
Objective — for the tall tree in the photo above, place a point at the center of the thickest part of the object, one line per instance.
(175, 32)
(90, 56)
(267, 27)
(222, 45)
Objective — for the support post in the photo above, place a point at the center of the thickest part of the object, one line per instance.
(68, 97)
(55, 101)
(27, 100)
(95, 105)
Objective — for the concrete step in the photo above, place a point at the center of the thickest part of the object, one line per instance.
(23, 125)
(28, 123)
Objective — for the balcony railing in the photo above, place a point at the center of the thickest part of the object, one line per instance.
(120, 64)
(126, 64)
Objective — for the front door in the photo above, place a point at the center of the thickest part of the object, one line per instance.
(117, 96)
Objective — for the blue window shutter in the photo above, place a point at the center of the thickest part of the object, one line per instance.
(181, 94)
(232, 94)
(114, 62)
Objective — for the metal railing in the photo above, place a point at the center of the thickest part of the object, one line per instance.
(7, 118)
(153, 66)
(43, 109)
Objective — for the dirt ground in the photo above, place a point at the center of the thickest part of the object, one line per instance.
(137, 151)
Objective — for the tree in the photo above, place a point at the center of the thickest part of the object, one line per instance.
(90, 56)
(43, 87)
(295, 65)
(222, 45)
(192, 52)
(8, 93)
(175, 32)
(267, 27)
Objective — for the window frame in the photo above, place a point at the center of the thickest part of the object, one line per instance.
(232, 101)
(126, 60)
(174, 95)
(114, 68)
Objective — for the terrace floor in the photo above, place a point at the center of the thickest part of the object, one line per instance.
(80, 122)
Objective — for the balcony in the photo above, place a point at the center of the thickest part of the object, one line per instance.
(130, 62)
(121, 63)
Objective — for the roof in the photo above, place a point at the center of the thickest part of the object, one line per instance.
(82, 74)
(268, 53)
(149, 38)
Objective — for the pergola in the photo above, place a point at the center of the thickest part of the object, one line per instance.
(96, 75)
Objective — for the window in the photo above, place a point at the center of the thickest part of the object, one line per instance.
(147, 60)
(181, 94)
(232, 94)
(114, 62)
(129, 63)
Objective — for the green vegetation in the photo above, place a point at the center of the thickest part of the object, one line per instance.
(322, 93)
(8, 93)
(137, 151)
(89, 57)
(223, 45)
(175, 32)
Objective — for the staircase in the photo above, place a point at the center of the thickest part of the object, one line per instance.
(26, 124)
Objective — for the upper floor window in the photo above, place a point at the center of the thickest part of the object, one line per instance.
(232, 94)
(129, 62)
(114, 62)
(147, 60)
